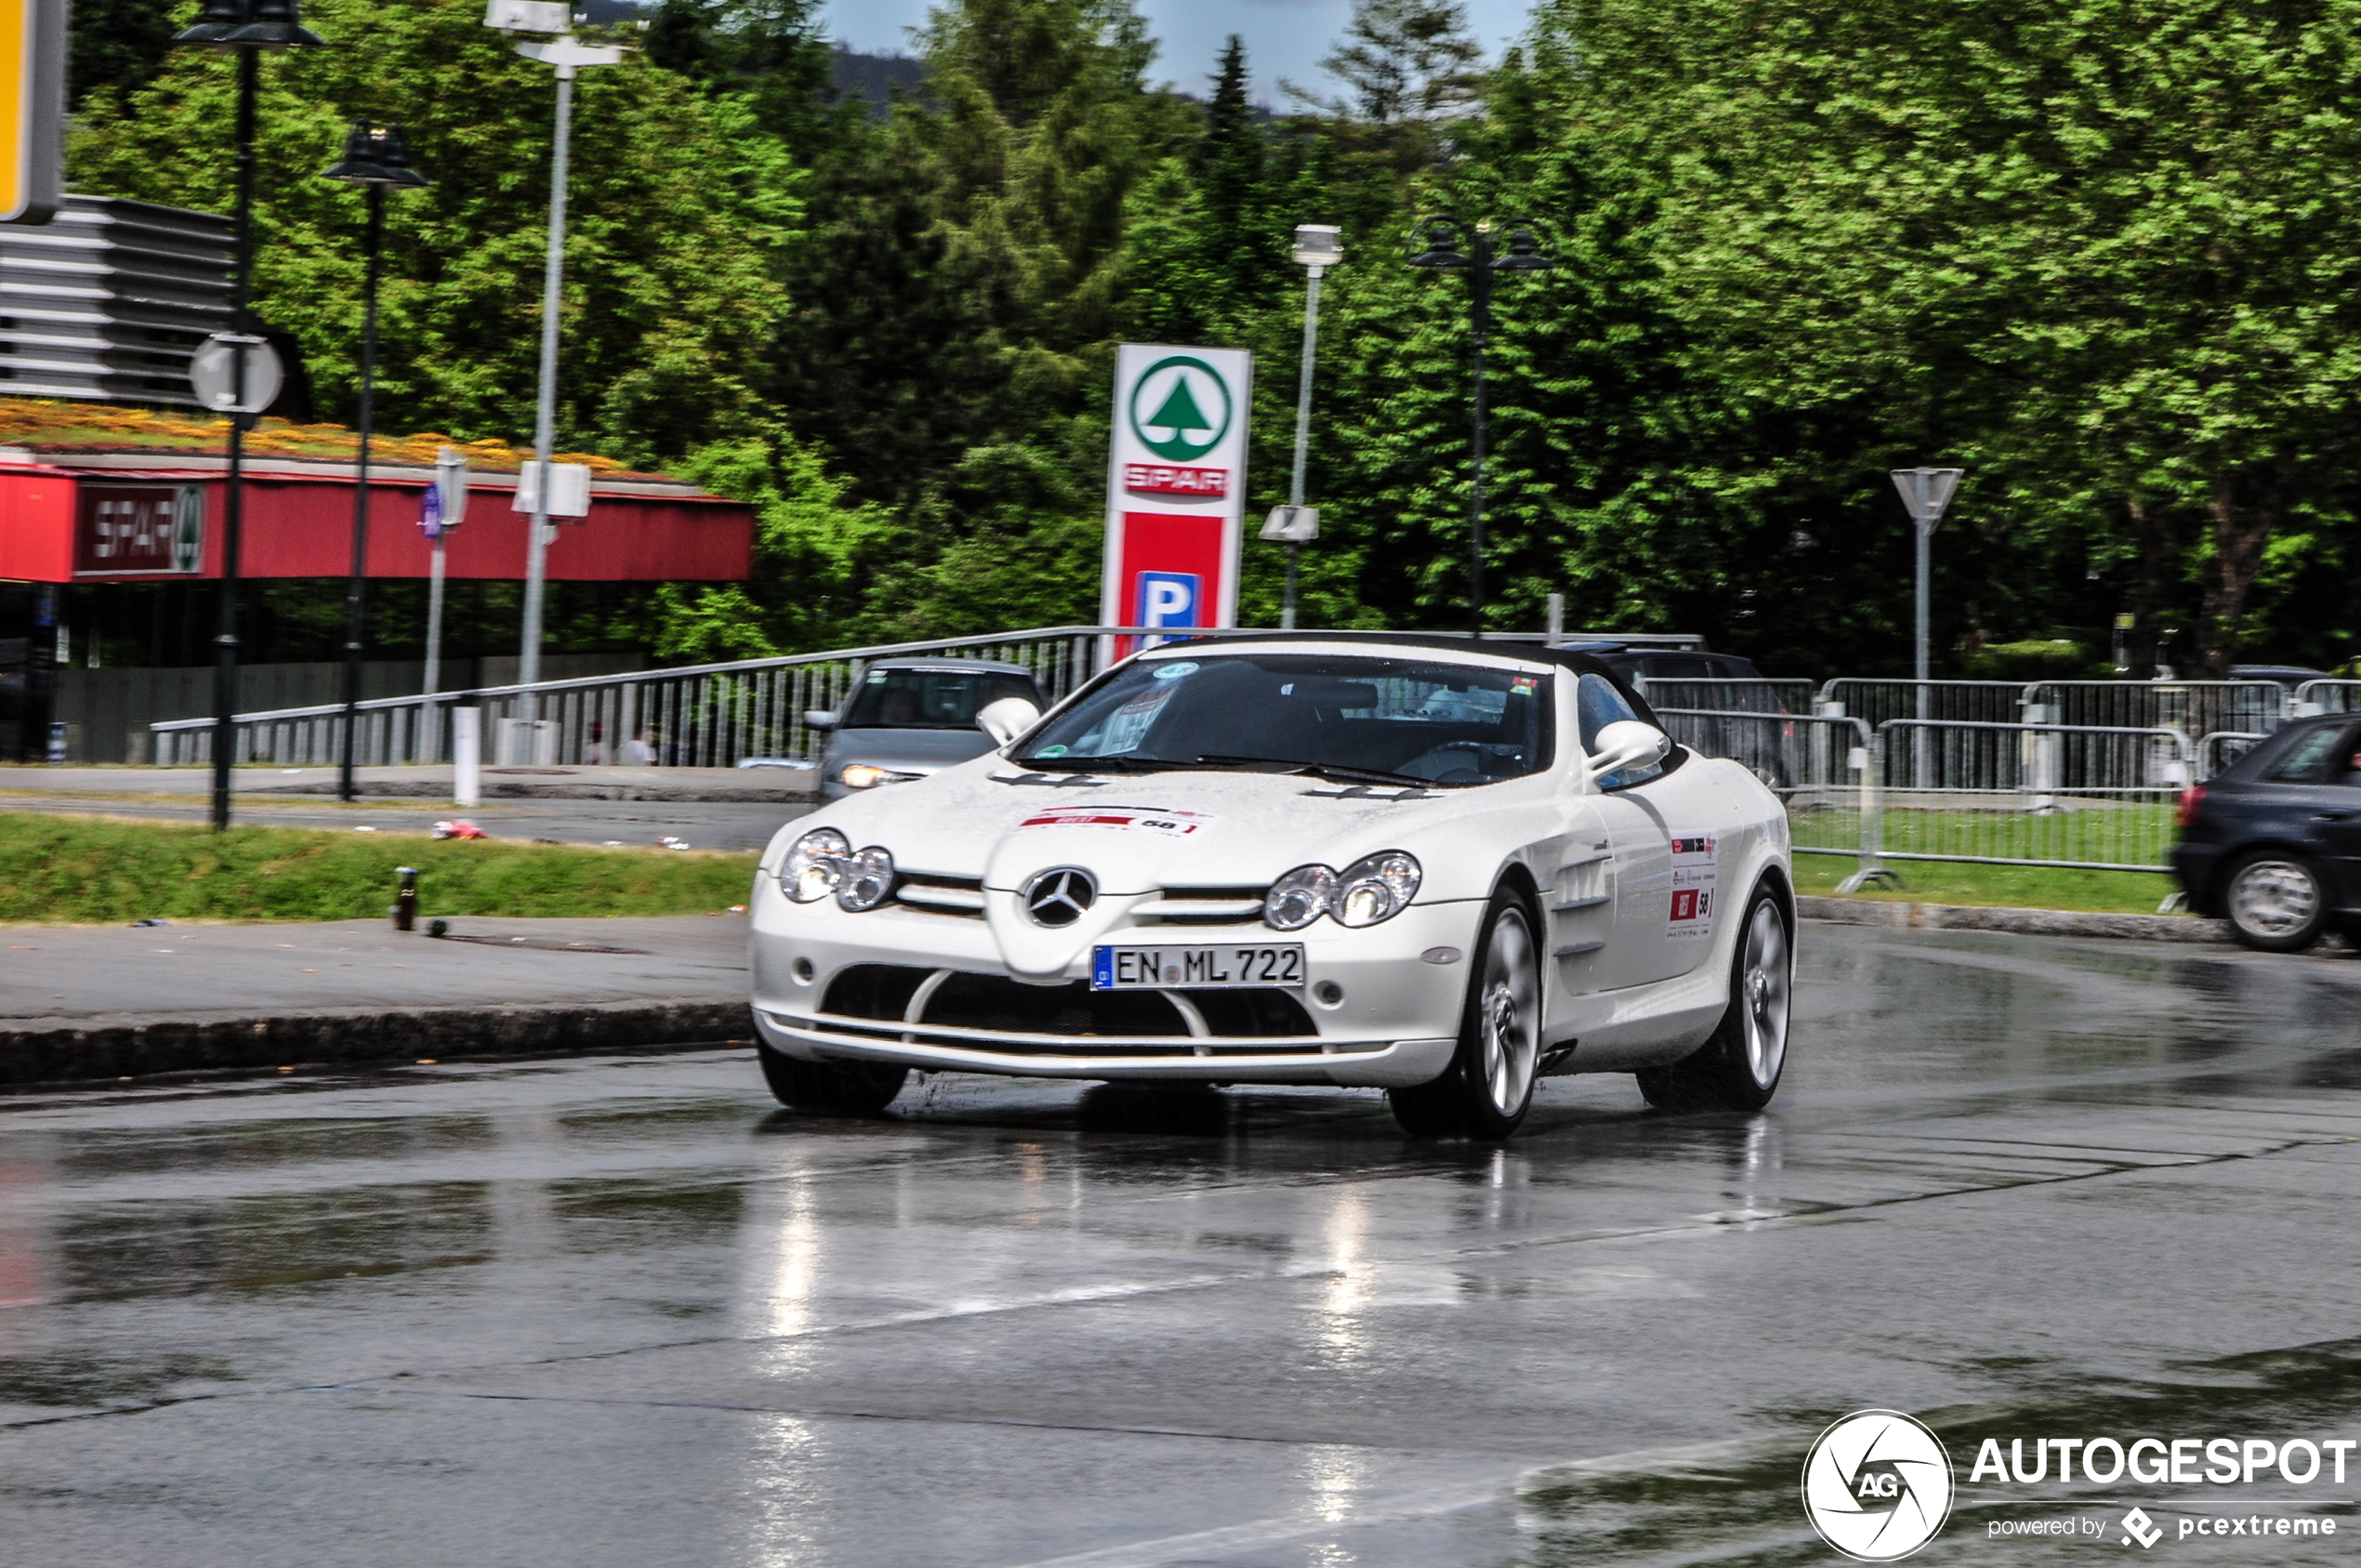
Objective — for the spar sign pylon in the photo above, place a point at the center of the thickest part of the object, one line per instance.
(1176, 488)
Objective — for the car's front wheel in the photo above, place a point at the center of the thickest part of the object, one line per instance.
(2275, 902)
(831, 1088)
(1739, 1067)
(1488, 1088)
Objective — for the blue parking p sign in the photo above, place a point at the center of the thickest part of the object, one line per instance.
(1170, 599)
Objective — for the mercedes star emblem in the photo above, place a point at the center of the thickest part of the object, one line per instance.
(1058, 897)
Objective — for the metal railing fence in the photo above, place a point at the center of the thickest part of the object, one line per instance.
(1873, 701)
(702, 715)
(2193, 707)
(2326, 696)
(2220, 749)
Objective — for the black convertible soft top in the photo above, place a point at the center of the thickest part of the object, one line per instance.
(1533, 652)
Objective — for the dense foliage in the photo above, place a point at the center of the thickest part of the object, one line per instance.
(2104, 258)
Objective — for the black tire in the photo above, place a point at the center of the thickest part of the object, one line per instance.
(2275, 901)
(1739, 1067)
(1488, 1088)
(831, 1088)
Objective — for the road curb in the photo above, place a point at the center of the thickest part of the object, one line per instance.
(2028, 922)
(46, 1051)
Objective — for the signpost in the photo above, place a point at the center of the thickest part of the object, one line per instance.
(32, 107)
(441, 508)
(1176, 488)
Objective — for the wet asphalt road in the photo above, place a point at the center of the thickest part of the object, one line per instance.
(622, 1311)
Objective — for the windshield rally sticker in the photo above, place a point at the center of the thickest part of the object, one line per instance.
(1127, 819)
(1694, 857)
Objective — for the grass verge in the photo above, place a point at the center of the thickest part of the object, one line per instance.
(2018, 887)
(77, 870)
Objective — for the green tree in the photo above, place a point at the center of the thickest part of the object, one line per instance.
(678, 211)
(2100, 256)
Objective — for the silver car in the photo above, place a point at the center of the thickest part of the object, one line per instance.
(906, 718)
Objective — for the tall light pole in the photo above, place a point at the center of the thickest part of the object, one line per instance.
(374, 159)
(1927, 491)
(1318, 246)
(569, 57)
(1445, 252)
(243, 28)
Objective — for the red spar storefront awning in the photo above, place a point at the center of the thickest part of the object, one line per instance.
(112, 519)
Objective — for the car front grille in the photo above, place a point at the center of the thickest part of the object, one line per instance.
(1072, 1010)
(960, 897)
(1203, 906)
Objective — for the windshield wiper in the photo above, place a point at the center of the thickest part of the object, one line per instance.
(1125, 764)
(1319, 770)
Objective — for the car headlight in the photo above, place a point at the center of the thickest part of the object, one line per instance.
(815, 865)
(1375, 888)
(863, 775)
(868, 880)
(1299, 898)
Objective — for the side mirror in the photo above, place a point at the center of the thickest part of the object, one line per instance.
(1007, 718)
(819, 719)
(1628, 743)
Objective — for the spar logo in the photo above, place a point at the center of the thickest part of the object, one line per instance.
(1180, 408)
(1877, 1485)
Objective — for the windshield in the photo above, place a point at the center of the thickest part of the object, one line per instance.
(1418, 720)
(932, 699)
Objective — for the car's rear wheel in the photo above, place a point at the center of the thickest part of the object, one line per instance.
(1739, 1067)
(2275, 902)
(831, 1088)
(1488, 1088)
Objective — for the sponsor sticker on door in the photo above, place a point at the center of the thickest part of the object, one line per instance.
(1694, 868)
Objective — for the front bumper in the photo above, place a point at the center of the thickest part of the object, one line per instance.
(1395, 1023)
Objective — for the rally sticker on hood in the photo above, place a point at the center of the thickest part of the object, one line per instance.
(1127, 819)
(1694, 862)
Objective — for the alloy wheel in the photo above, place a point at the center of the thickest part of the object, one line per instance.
(1509, 1014)
(1766, 976)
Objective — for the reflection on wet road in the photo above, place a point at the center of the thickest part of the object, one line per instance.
(623, 1311)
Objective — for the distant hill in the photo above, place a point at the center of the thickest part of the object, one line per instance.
(874, 77)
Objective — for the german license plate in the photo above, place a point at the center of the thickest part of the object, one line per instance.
(1195, 968)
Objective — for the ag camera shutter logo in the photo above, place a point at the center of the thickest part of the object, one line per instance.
(1877, 1485)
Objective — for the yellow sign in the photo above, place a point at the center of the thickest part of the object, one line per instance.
(32, 107)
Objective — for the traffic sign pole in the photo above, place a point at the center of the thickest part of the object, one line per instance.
(1927, 493)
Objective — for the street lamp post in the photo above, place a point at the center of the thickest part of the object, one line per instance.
(1927, 491)
(374, 159)
(1441, 236)
(569, 57)
(243, 28)
(1318, 246)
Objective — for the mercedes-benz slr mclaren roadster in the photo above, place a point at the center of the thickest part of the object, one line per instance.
(1436, 866)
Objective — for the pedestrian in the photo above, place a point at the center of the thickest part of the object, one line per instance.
(638, 751)
(595, 754)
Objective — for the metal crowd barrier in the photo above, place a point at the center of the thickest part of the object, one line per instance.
(2087, 796)
(2326, 696)
(2221, 748)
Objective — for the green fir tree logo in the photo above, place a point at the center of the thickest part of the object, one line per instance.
(1180, 431)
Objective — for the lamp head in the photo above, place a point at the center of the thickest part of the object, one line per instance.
(1318, 244)
(1441, 237)
(374, 155)
(1524, 253)
(217, 21)
(273, 24)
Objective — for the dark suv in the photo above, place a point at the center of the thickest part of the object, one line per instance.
(2273, 842)
(1723, 682)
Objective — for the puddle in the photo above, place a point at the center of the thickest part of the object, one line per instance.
(1739, 1503)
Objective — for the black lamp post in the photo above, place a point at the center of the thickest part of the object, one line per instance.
(374, 159)
(1445, 252)
(243, 27)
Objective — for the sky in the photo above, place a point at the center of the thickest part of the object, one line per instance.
(1284, 38)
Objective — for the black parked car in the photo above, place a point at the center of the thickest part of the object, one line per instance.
(2272, 843)
(1725, 682)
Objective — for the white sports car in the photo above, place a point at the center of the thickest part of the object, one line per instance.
(1432, 865)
